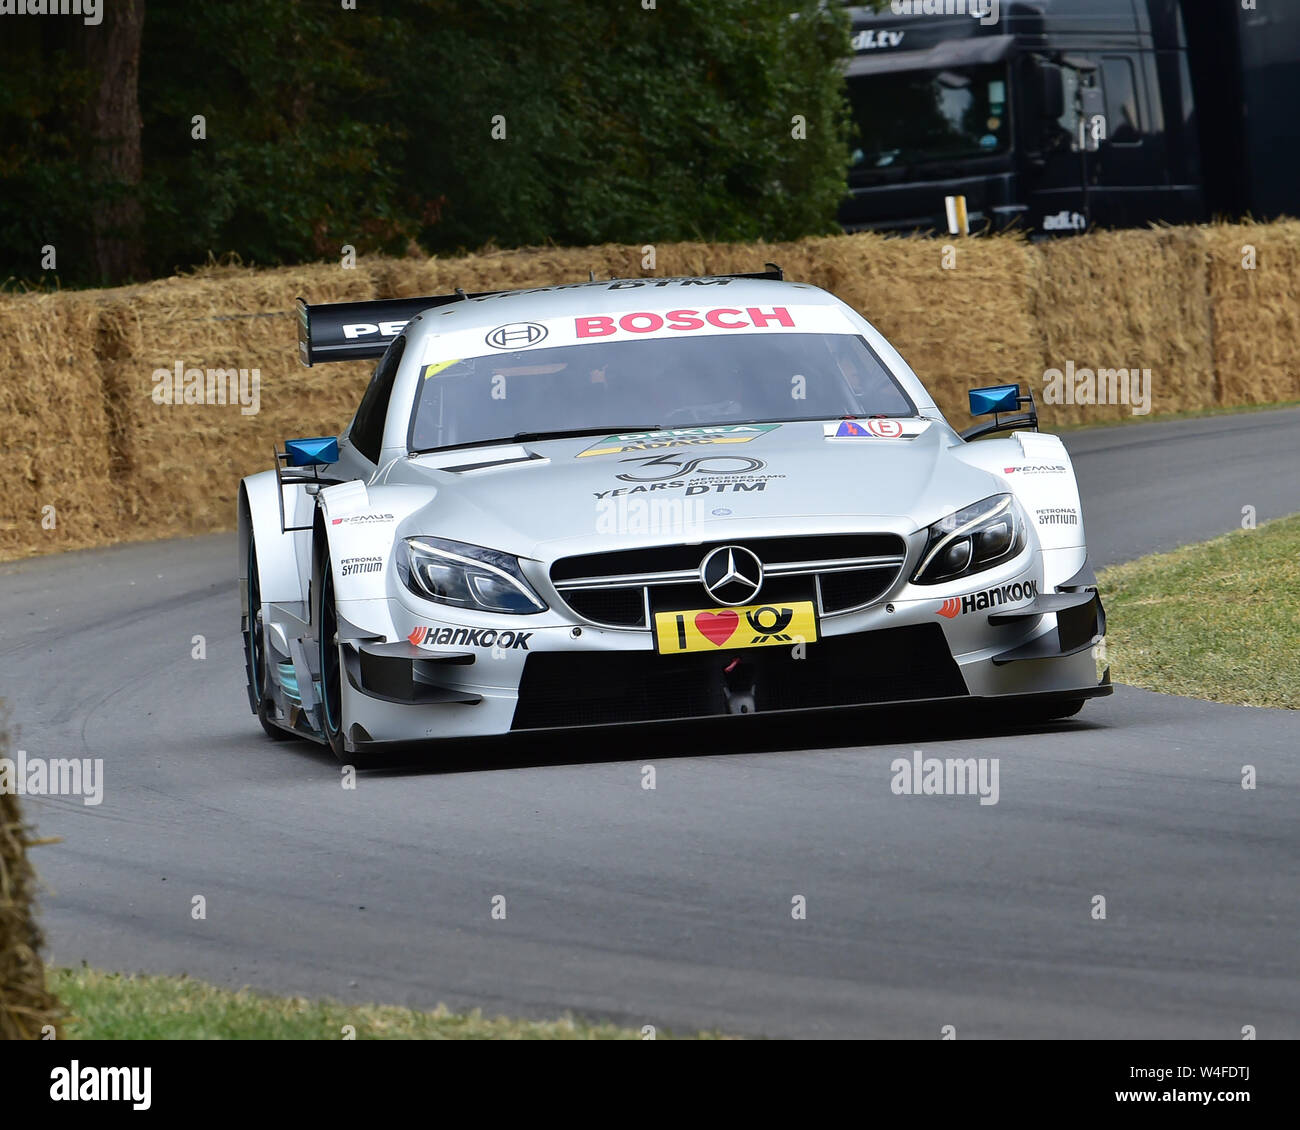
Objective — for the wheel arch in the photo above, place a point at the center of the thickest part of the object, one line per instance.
(1036, 468)
(277, 563)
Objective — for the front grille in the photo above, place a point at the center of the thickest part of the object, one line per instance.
(841, 571)
(607, 687)
(663, 558)
(842, 591)
(685, 597)
(624, 607)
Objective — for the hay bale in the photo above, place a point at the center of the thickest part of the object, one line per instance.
(183, 461)
(26, 1006)
(958, 325)
(56, 433)
(1127, 299)
(1256, 311)
(85, 435)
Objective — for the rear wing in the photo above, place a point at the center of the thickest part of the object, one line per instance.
(359, 331)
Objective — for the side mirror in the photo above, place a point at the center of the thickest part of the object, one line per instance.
(1050, 84)
(312, 452)
(997, 398)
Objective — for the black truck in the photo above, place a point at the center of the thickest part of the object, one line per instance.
(1055, 116)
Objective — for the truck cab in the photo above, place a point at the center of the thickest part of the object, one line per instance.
(1052, 117)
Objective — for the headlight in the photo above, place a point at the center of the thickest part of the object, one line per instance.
(465, 576)
(977, 538)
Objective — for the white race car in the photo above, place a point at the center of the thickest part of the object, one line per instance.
(651, 499)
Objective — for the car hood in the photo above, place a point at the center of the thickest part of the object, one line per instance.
(548, 499)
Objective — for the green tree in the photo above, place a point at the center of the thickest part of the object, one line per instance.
(380, 127)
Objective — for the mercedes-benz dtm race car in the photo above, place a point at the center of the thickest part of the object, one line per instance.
(651, 499)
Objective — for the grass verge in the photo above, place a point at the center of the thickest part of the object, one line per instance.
(1159, 417)
(1218, 621)
(114, 1006)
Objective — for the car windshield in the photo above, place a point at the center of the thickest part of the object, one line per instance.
(916, 117)
(651, 383)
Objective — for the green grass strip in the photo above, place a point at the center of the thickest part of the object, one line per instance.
(114, 1006)
(1218, 621)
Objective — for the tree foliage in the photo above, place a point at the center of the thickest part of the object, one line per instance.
(380, 127)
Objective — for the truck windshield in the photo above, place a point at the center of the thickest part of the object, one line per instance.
(916, 117)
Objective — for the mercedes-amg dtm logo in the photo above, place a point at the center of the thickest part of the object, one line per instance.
(516, 335)
(731, 574)
(656, 468)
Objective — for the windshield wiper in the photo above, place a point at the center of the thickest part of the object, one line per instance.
(521, 437)
(566, 433)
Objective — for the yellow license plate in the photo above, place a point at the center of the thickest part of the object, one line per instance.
(725, 629)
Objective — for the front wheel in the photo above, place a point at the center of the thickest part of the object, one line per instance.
(331, 669)
(255, 652)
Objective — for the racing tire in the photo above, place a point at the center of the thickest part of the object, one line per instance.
(255, 652)
(332, 722)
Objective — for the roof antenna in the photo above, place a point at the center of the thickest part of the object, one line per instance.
(460, 293)
(591, 275)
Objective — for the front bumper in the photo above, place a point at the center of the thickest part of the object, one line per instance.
(904, 655)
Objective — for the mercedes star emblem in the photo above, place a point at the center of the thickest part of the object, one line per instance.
(731, 574)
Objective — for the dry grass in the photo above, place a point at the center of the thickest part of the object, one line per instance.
(182, 461)
(1124, 300)
(26, 1006)
(1256, 312)
(82, 433)
(55, 428)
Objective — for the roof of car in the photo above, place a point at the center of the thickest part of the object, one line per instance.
(616, 296)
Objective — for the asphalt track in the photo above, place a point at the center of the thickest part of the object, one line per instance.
(672, 907)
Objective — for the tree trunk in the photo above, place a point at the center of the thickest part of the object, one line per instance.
(111, 53)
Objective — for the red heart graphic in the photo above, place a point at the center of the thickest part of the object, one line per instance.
(717, 626)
